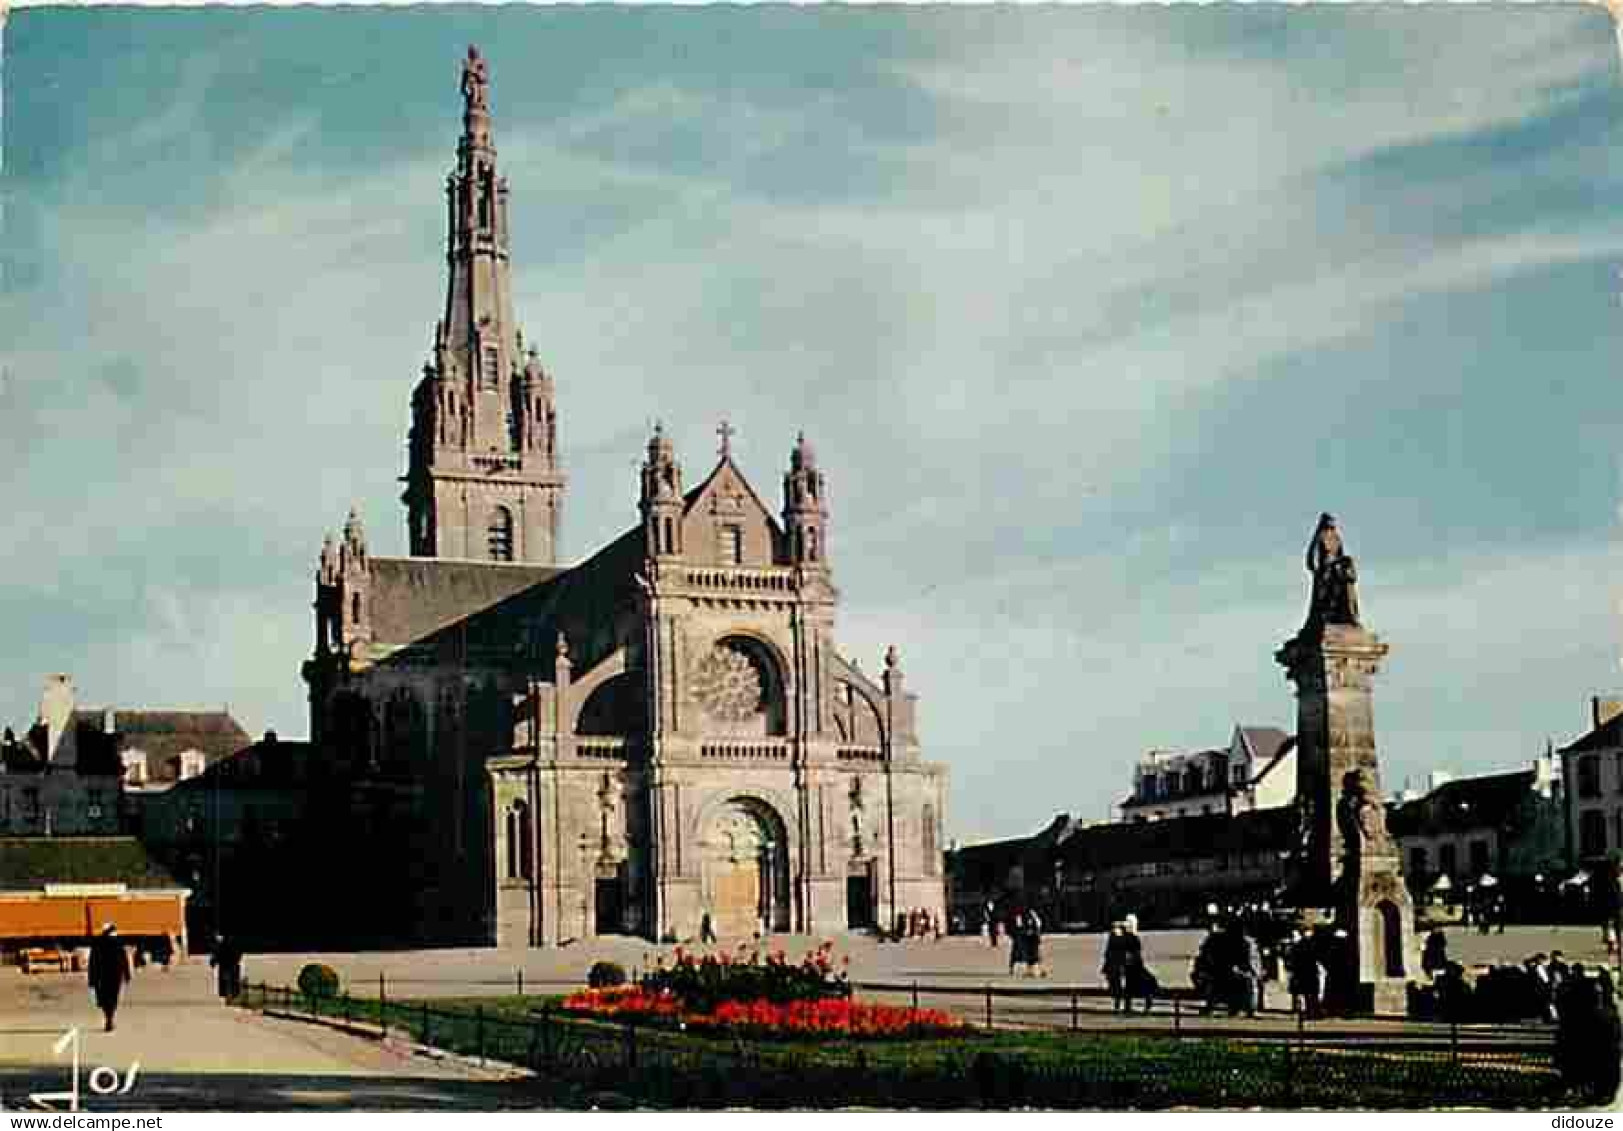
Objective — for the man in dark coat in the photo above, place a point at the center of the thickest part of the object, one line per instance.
(109, 970)
(227, 958)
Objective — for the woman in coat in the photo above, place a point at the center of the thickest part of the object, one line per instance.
(109, 970)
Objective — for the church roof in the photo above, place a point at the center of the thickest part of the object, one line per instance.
(414, 597)
(507, 610)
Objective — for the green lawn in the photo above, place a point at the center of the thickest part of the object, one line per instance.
(583, 1063)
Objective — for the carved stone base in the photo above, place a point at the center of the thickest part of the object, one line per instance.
(1378, 916)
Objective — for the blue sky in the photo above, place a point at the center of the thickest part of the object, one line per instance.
(1089, 311)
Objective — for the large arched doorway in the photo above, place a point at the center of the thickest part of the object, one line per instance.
(746, 869)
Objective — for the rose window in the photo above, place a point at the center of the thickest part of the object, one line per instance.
(728, 685)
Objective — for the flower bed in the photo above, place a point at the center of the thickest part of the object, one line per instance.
(840, 1016)
(743, 993)
(702, 982)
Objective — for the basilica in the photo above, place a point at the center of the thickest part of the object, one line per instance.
(663, 733)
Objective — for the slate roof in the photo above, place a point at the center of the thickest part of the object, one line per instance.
(1607, 736)
(1097, 847)
(1266, 743)
(414, 597)
(29, 863)
(164, 735)
(502, 610)
(270, 763)
(1490, 801)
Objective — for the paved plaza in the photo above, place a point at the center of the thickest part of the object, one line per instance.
(195, 1053)
(951, 961)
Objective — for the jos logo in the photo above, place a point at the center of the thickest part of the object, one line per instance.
(102, 1080)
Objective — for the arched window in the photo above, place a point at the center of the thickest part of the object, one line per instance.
(520, 846)
(355, 608)
(501, 535)
(811, 544)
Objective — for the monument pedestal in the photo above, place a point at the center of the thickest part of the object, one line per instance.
(1345, 860)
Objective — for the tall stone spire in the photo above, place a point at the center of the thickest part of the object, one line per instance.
(483, 479)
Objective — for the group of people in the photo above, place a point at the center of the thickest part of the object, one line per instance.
(1125, 971)
(110, 969)
(918, 923)
(1227, 971)
(1025, 930)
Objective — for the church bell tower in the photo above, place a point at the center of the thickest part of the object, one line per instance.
(482, 480)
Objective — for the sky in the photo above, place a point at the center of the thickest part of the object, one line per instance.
(1088, 311)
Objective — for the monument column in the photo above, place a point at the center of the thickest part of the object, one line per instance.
(1333, 668)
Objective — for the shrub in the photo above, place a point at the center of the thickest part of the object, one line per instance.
(318, 981)
(605, 974)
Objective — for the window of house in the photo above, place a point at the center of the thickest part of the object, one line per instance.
(1417, 860)
(491, 370)
(811, 544)
(1448, 860)
(1592, 833)
(5, 805)
(500, 535)
(1479, 857)
(1237, 773)
(191, 764)
(1589, 776)
(1617, 770)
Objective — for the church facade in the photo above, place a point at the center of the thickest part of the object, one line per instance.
(664, 732)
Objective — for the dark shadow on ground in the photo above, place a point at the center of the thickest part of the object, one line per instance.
(250, 1091)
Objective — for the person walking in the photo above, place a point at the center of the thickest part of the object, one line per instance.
(109, 971)
(707, 929)
(991, 923)
(1137, 979)
(1115, 965)
(1034, 945)
(1305, 975)
(227, 958)
(1017, 940)
(1434, 956)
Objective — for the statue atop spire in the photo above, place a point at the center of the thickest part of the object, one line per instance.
(475, 81)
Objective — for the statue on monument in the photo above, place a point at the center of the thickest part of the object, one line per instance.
(475, 80)
(1362, 817)
(1335, 578)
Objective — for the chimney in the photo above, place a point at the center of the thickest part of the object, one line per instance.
(1603, 711)
(56, 712)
